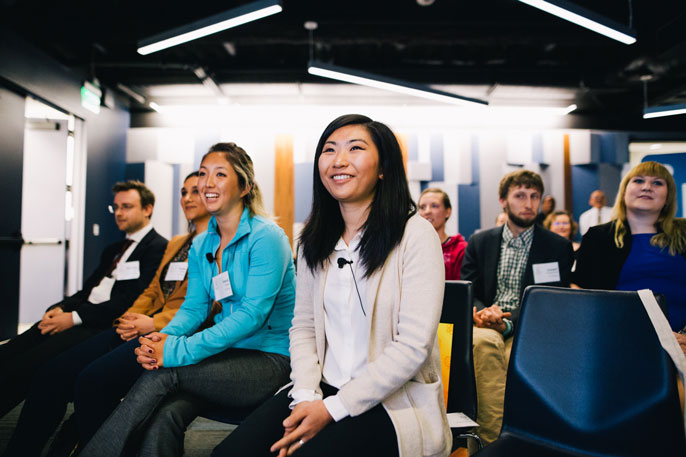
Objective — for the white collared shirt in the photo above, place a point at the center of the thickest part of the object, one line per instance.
(590, 218)
(345, 325)
(101, 292)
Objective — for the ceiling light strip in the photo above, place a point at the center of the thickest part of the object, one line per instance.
(131, 93)
(390, 84)
(585, 18)
(667, 110)
(213, 24)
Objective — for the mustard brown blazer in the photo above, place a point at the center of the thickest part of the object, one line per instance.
(403, 373)
(152, 298)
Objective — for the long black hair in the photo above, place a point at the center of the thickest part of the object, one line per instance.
(388, 213)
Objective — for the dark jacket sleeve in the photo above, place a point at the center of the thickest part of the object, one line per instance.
(472, 269)
(599, 261)
(566, 263)
(149, 253)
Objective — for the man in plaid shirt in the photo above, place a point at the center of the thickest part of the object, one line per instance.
(501, 263)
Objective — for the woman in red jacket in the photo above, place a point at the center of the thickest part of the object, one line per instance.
(434, 206)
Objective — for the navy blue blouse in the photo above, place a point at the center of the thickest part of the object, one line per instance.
(650, 267)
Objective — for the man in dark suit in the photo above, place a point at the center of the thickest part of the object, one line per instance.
(501, 263)
(125, 270)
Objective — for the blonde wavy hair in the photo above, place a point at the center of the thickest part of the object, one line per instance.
(671, 230)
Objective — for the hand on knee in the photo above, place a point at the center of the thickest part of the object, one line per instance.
(306, 420)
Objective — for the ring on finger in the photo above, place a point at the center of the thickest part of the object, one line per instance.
(301, 442)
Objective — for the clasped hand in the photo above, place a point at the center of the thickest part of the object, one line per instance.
(306, 420)
(491, 317)
(131, 325)
(150, 354)
(55, 321)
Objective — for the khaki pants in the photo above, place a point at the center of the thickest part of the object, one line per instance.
(491, 357)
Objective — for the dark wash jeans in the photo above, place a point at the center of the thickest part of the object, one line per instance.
(152, 418)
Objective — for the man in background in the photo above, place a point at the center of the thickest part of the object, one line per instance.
(598, 214)
(501, 262)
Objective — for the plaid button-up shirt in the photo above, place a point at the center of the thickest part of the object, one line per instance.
(514, 253)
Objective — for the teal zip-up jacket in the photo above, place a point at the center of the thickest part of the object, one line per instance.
(258, 314)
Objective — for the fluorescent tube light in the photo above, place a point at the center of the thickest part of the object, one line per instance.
(208, 81)
(390, 84)
(585, 18)
(667, 110)
(131, 93)
(213, 24)
(570, 108)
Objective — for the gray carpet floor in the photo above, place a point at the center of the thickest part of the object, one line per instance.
(201, 437)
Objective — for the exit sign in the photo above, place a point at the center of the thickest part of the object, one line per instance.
(90, 97)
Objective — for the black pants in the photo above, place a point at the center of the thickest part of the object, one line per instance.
(369, 434)
(53, 388)
(23, 355)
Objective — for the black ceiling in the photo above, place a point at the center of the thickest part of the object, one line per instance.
(493, 42)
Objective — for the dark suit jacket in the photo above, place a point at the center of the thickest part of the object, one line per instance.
(148, 252)
(483, 252)
(600, 261)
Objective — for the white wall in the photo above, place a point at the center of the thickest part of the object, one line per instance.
(41, 281)
(159, 177)
(504, 141)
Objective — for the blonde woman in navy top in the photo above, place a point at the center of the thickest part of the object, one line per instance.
(643, 246)
(243, 262)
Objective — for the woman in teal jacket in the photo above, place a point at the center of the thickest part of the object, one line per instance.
(241, 266)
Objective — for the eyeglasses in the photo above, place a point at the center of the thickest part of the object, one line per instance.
(558, 223)
(124, 207)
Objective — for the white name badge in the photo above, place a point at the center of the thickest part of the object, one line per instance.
(101, 292)
(128, 270)
(222, 286)
(176, 271)
(546, 272)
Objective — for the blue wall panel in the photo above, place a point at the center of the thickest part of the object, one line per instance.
(469, 197)
(537, 148)
(412, 147)
(469, 212)
(303, 190)
(584, 181)
(106, 164)
(135, 171)
(437, 163)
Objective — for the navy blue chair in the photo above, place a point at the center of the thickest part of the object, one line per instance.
(458, 302)
(588, 377)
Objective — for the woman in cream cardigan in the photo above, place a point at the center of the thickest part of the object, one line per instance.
(364, 355)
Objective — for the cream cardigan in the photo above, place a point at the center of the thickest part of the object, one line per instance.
(405, 298)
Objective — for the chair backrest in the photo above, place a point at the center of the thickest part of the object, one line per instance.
(588, 373)
(457, 310)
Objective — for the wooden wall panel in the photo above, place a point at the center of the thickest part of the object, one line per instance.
(402, 141)
(284, 194)
(567, 173)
